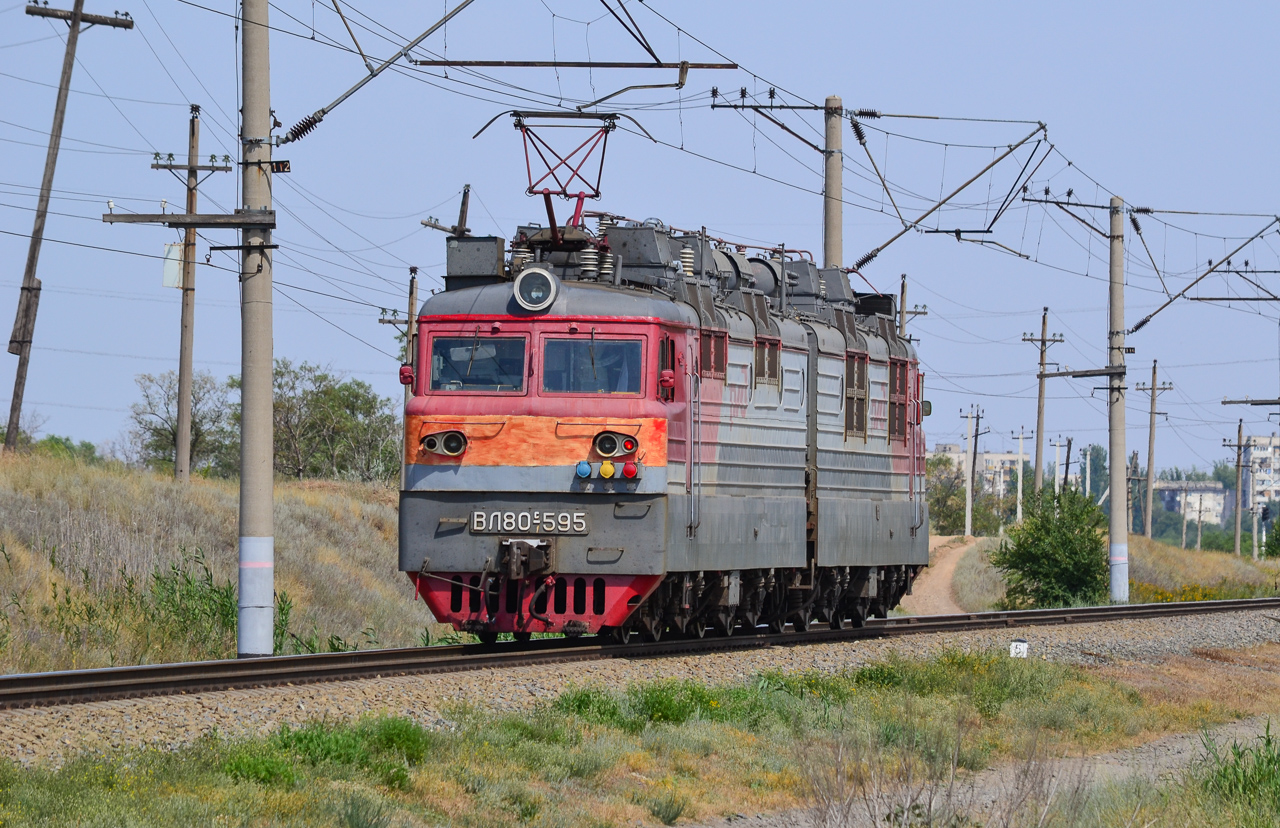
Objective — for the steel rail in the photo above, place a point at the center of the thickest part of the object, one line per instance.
(80, 686)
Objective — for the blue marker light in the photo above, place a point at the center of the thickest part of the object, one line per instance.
(584, 469)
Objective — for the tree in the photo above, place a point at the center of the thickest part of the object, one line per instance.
(67, 448)
(944, 491)
(1224, 471)
(155, 420)
(329, 427)
(1057, 556)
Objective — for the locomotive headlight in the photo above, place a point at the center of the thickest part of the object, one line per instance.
(611, 444)
(449, 443)
(453, 443)
(536, 288)
(607, 444)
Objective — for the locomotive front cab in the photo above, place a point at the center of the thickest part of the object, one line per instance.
(536, 456)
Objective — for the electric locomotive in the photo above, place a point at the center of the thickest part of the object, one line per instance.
(648, 430)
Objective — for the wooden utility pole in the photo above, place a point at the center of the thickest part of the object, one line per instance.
(904, 315)
(193, 168)
(1199, 520)
(1238, 445)
(969, 450)
(1155, 388)
(24, 323)
(1184, 514)
(411, 350)
(1066, 470)
(1043, 342)
(1020, 464)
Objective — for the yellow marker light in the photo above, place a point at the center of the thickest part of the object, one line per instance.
(606, 469)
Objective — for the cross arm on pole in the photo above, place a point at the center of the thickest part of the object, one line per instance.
(265, 219)
(198, 167)
(117, 22)
(1109, 371)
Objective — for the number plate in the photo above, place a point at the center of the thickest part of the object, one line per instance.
(543, 523)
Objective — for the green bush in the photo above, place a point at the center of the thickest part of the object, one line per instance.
(265, 768)
(1057, 556)
(671, 702)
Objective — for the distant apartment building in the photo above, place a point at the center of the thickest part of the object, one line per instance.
(1196, 500)
(998, 469)
(1261, 469)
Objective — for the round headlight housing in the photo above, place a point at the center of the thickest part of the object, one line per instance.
(453, 443)
(448, 443)
(536, 288)
(607, 444)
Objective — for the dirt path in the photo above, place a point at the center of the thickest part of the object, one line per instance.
(932, 594)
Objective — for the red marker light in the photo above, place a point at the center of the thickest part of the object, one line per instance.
(628, 445)
(629, 469)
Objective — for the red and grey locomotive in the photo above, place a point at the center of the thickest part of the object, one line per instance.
(644, 430)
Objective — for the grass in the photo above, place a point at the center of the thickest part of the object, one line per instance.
(977, 585)
(99, 563)
(1158, 572)
(660, 752)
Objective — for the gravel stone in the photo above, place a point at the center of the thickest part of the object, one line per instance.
(53, 734)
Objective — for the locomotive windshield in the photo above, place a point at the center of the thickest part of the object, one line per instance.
(472, 363)
(591, 366)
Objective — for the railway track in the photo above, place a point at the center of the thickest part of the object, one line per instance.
(79, 686)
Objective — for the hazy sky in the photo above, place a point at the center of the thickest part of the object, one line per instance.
(1169, 105)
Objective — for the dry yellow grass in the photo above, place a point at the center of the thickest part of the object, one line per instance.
(1170, 568)
(978, 585)
(86, 529)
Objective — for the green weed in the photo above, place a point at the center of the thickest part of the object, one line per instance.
(668, 807)
(1247, 774)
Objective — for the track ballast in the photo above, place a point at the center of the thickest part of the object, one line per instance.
(80, 686)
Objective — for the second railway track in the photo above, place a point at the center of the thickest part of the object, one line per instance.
(79, 686)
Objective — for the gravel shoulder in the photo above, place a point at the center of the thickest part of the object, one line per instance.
(1180, 644)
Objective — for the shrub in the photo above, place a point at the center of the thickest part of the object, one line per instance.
(671, 702)
(1058, 555)
(594, 704)
(265, 768)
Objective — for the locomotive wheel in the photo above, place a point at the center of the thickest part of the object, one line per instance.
(653, 630)
(800, 621)
(778, 625)
(522, 637)
(697, 628)
(725, 624)
(487, 637)
(622, 635)
(839, 621)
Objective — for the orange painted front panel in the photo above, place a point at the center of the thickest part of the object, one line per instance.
(497, 440)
